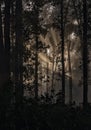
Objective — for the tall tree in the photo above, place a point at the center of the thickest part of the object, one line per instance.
(1, 39)
(85, 55)
(7, 37)
(62, 48)
(70, 73)
(1, 49)
(36, 69)
(18, 52)
(36, 32)
(1, 34)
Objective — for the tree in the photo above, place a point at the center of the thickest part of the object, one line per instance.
(62, 48)
(70, 73)
(1, 48)
(85, 55)
(18, 52)
(7, 37)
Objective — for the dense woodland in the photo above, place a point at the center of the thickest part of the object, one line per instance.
(44, 52)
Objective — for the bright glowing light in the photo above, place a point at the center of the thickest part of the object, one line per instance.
(51, 9)
(44, 58)
(75, 22)
(48, 51)
(72, 36)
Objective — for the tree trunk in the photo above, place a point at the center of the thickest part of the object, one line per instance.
(18, 53)
(1, 53)
(85, 55)
(1, 43)
(62, 48)
(70, 75)
(7, 38)
(36, 69)
(36, 28)
(13, 40)
(52, 88)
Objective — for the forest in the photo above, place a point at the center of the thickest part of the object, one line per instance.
(45, 64)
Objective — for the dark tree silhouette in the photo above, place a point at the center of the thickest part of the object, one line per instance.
(62, 48)
(85, 55)
(70, 73)
(19, 53)
(1, 45)
(36, 32)
(7, 37)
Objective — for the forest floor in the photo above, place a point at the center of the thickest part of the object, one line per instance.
(34, 116)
